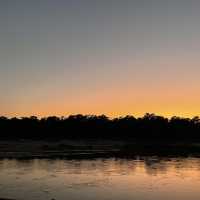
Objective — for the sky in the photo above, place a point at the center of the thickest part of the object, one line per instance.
(113, 57)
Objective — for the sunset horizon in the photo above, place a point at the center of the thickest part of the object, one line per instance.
(98, 57)
(100, 99)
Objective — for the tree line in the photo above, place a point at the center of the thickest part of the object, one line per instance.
(148, 127)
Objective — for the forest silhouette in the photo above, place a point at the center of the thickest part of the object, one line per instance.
(148, 127)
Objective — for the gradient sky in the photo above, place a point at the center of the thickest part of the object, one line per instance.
(113, 57)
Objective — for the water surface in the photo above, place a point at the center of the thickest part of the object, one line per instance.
(148, 178)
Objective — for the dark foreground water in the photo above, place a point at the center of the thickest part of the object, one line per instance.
(148, 178)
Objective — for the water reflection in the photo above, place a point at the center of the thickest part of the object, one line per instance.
(147, 178)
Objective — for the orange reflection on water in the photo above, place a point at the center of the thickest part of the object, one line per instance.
(148, 178)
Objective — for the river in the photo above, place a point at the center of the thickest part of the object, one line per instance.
(141, 178)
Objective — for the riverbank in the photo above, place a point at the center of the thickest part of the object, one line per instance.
(93, 149)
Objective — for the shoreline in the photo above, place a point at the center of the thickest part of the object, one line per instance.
(89, 149)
